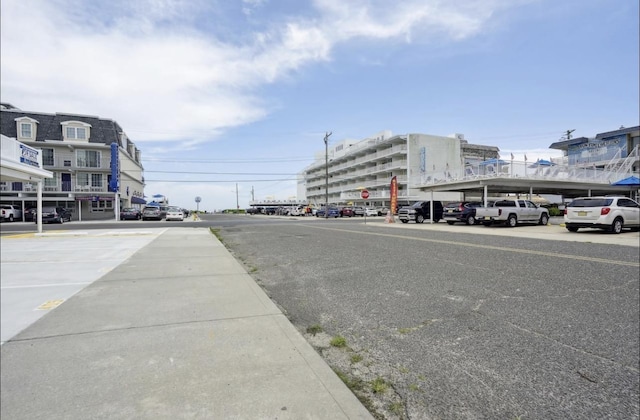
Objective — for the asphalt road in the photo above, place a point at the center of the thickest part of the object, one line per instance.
(461, 326)
(456, 322)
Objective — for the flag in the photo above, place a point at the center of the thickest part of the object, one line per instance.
(511, 156)
(525, 158)
(393, 187)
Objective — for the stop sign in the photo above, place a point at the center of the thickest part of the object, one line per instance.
(364, 194)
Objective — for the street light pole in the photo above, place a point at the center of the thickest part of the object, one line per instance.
(326, 174)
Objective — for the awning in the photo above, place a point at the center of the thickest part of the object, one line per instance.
(137, 200)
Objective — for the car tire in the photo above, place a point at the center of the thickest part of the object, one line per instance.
(419, 218)
(512, 220)
(616, 226)
(404, 221)
(572, 228)
(449, 222)
(61, 220)
(544, 220)
(471, 220)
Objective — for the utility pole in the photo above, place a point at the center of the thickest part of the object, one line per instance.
(237, 202)
(326, 174)
(252, 197)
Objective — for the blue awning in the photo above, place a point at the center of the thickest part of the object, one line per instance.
(137, 200)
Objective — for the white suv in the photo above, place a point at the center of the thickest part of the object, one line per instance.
(610, 213)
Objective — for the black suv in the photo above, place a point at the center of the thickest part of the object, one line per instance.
(461, 211)
(421, 211)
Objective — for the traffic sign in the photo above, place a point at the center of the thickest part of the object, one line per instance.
(364, 194)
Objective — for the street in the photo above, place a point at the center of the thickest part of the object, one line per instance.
(461, 325)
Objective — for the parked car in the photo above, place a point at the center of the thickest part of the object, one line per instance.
(333, 212)
(420, 211)
(163, 211)
(510, 212)
(52, 214)
(174, 213)
(609, 213)
(461, 211)
(358, 211)
(382, 211)
(370, 212)
(347, 212)
(185, 212)
(130, 213)
(151, 213)
(10, 212)
(30, 214)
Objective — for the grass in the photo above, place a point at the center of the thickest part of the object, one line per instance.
(355, 358)
(414, 387)
(338, 341)
(314, 329)
(396, 408)
(379, 385)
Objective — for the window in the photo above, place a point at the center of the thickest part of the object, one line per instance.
(67, 163)
(88, 158)
(25, 130)
(47, 157)
(77, 133)
(96, 180)
(82, 179)
(101, 205)
(51, 182)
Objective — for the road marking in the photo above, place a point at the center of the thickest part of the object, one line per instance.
(42, 285)
(50, 304)
(493, 247)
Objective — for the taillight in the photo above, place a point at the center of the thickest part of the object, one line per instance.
(565, 210)
(461, 208)
(604, 211)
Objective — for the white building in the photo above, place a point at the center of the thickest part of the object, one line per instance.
(347, 167)
(96, 168)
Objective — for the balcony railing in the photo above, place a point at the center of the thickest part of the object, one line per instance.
(63, 187)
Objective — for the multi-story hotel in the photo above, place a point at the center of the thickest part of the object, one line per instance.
(345, 168)
(78, 150)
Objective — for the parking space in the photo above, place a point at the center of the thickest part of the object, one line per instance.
(35, 274)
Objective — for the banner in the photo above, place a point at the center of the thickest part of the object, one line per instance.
(393, 190)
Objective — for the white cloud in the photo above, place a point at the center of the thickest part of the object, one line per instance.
(146, 66)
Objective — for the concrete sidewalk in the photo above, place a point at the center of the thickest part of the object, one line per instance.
(179, 330)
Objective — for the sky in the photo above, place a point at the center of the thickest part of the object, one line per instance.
(229, 99)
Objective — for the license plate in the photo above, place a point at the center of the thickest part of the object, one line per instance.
(582, 213)
(450, 211)
(487, 218)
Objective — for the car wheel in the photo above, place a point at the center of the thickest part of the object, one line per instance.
(544, 219)
(616, 226)
(61, 220)
(471, 220)
(512, 220)
(572, 228)
(11, 217)
(404, 221)
(449, 222)
(419, 218)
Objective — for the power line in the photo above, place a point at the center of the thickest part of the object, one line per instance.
(208, 180)
(220, 173)
(256, 160)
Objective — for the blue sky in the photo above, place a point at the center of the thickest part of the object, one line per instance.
(244, 91)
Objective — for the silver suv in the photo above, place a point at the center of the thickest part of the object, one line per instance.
(610, 213)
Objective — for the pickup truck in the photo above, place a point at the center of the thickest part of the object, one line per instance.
(10, 212)
(512, 212)
(420, 211)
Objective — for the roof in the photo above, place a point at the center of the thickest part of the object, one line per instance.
(564, 145)
(103, 131)
(618, 132)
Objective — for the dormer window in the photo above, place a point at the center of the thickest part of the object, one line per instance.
(26, 128)
(76, 133)
(75, 130)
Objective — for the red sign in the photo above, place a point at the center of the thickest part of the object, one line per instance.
(364, 194)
